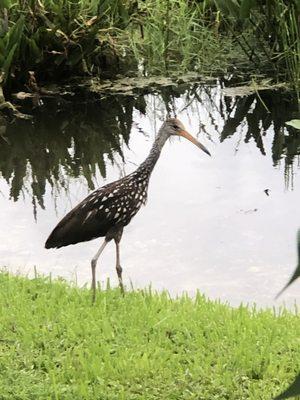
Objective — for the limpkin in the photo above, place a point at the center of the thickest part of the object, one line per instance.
(107, 210)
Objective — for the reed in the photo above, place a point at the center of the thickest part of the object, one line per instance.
(289, 33)
(180, 36)
(269, 35)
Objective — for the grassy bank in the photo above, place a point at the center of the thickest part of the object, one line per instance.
(56, 345)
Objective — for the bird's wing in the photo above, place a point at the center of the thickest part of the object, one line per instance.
(91, 218)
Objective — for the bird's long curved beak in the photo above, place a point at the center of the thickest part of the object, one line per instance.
(189, 137)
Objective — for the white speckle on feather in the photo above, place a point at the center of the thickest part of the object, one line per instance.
(88, 215)
(116, 215)
(106, 210)
(110, 195)
(104, 198)
(101, 206)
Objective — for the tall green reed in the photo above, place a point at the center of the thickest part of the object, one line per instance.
(289, 33)
(179, 35)
(268, 32)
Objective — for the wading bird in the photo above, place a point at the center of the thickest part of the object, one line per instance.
(108, 209)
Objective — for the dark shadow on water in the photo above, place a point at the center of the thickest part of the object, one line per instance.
(69, 141)
(74, 139)
(269, 110)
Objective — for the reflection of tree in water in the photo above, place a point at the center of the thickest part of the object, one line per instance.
(78, 139)
(271, 109)
(62, 144)
(256, 114)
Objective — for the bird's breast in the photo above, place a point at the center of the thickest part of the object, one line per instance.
(128, 204)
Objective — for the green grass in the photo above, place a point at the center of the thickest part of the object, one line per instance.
(54, 344)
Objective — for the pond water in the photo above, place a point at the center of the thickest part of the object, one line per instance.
(225, 225)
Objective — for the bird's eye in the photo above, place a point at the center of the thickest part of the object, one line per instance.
(175, 126)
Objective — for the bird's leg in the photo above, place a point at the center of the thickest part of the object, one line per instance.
(118, 265)
(94, 263)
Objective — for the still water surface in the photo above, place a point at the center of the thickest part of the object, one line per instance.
(225, 225)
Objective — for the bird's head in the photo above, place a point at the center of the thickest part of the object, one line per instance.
(175, 127)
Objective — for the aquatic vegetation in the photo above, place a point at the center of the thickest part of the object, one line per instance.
(289, 37)
(59, 38)
(10, 38)
(179, 35)
(54, 38)
(294, 389)
(268, 33)
(295, 123)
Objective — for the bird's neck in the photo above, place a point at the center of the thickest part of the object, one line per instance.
(148, 165)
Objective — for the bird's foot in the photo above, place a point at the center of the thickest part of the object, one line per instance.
(119, 272)
(122, 288)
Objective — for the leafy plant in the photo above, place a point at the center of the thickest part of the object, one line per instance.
(296, 273)
(294, 389)
(295, 123)
(9, 46)
(55, 37)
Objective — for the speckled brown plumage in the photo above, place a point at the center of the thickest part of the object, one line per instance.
(107, 210)
(113, 205)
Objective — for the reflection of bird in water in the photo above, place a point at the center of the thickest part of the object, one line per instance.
(107, 210)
